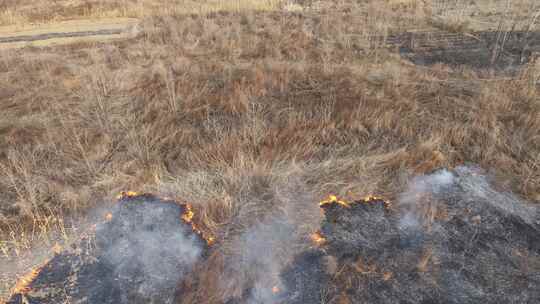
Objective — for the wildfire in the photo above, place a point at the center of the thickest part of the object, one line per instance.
(372, 198)
(23, 284)
(332, 199)
(210, 240)
(318, 238)
(187, 217)
(125, 194)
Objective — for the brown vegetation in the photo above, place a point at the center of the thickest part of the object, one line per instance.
(20, 12)
(241, 112)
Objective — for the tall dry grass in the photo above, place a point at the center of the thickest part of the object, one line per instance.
(22, 12)
(228, 110)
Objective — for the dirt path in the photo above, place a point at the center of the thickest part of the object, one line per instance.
(67, 32)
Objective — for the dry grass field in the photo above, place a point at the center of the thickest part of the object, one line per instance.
(24, 11)
(241, 108)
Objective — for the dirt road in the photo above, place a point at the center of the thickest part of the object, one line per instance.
(67, 32)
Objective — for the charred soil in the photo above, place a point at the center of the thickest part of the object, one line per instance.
(447, 246)
(139, 254)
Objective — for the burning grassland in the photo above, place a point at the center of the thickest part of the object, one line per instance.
(223, 109)
(139, 254)
(216, 109)
(450, 239)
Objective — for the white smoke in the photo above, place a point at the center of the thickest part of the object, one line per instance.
(421, 187)
(434, 183)
(467, 185)
(476, 186)
(433, 204)
(269, 245)
(264, 252)
(150, 249)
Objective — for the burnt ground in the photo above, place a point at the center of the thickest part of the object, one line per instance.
(138, 256)
(485, 49)
(461, 243)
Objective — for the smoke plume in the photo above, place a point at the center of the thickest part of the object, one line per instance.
(267, 246)
(451, 237)
(148, 243)
(464, 185)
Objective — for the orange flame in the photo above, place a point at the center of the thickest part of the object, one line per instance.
(275, 290)
(125, 194)
(210, 240)
(332, 199)
(187, 217)
(372, 198)
(23, 283)
(318, 238)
